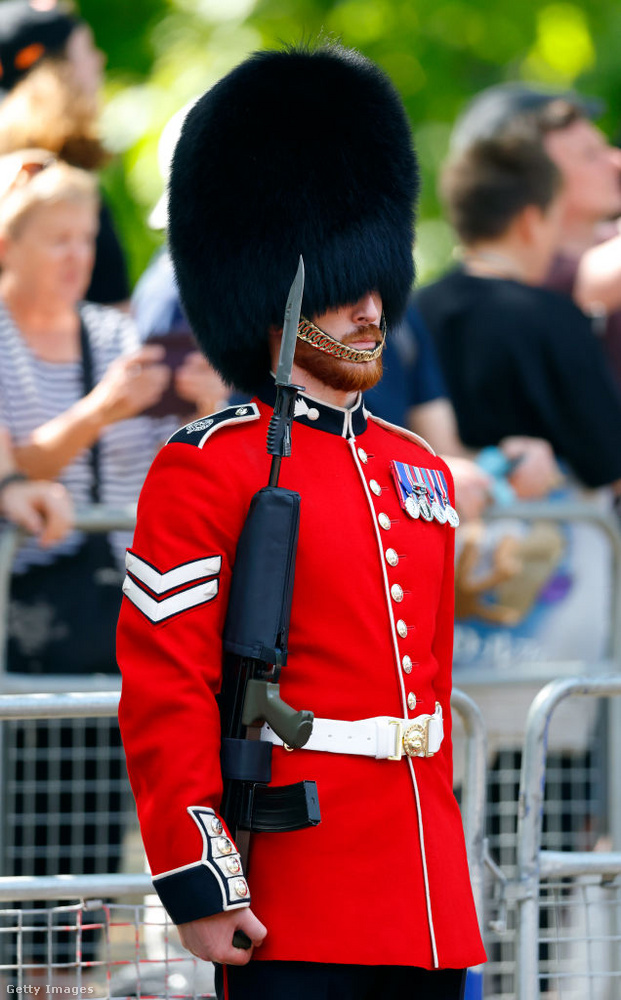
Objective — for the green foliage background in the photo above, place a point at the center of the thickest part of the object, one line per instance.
(162, 53)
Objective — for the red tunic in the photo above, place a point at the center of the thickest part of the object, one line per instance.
(388, 857)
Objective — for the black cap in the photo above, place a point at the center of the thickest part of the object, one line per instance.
(493, 109)
(27, 33)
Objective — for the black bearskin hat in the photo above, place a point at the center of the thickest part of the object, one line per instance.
(294, 152)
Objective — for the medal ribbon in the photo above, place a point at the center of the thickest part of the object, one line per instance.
(452, 515)
(418, 483)
(427, 476)
(441, 493)
(410, 482)
(443, 487)
(421, 485)
(403, 481)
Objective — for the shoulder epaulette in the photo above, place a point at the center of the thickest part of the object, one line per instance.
(402, 432)
(199, 431)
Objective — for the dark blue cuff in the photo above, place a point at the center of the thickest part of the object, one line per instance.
(190, 894)
(211, 885)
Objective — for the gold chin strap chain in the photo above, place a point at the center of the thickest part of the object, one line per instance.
(312, 335)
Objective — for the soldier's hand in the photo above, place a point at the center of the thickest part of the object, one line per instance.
(211, 938)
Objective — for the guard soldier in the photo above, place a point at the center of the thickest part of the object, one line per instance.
(302, 151)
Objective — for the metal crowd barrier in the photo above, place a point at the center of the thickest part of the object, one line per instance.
(139, 951)
(94, 518)
(575, 779)
(571, 513)
(582, 889)
(474, 679)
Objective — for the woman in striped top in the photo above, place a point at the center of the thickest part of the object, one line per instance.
(74, 381)
(48, 221)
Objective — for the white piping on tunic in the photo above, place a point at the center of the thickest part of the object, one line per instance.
(175, 871)
(253, 414)
(401, 432)
(347, 425)
(421, 833)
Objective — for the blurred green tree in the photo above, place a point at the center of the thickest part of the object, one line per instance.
(161, 53)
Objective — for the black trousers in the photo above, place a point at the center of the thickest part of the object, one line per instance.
(314, 981)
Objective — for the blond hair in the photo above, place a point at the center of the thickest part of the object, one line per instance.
(46, 110)
(32, 178)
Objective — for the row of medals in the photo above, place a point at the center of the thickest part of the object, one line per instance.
(418, 504)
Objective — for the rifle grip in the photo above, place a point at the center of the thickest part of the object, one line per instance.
(241, 940)
(263, 702)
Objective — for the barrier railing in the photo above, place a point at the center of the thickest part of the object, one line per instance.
(24, 889)
(578, 513)
(94, 518)
(537, 867)
(76, 705)
(578, 771)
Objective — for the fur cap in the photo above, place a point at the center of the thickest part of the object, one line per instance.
(294, 152)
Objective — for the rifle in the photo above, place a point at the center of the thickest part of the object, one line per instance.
(256, 633)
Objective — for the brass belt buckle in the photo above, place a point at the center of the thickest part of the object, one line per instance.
(414, 742)
(398, 754)
(416, 739)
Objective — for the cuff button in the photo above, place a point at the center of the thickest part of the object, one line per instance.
(225, 846)
(240, 887)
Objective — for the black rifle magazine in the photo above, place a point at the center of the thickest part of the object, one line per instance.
(280, 809)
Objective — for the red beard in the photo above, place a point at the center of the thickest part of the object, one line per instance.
(347, 376)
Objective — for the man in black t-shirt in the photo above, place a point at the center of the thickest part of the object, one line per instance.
(591, 170)
(519, 359)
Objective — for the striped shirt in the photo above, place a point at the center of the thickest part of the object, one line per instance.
(33, 391)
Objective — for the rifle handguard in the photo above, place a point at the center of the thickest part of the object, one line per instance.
(263, 703)
(257, 620)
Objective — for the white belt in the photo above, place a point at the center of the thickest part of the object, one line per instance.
(383, 737)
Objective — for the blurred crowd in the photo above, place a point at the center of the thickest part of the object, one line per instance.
(509, 364)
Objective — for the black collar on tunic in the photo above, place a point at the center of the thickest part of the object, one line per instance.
(320, 415)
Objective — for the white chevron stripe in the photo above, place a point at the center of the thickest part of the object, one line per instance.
(159, 583)
(158, 611)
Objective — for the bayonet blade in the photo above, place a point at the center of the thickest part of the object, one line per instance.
(290, 327)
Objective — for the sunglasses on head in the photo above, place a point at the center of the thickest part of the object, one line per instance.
(29, 169)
